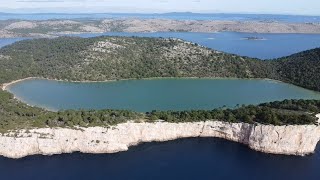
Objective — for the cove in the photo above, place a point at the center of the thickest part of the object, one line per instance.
(155, 94)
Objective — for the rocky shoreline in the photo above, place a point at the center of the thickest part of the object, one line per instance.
(286, 140)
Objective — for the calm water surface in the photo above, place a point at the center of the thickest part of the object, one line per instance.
(8, 41)
(160, 94)
(181, 159)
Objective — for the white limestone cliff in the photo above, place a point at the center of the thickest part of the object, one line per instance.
(289, 140)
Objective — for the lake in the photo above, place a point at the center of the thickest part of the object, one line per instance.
(198, 158)
(159, 94)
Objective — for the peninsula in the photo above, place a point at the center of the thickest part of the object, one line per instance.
(288, 127)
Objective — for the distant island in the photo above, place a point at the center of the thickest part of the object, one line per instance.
(55, 28)
(254, 38)
(265, 127)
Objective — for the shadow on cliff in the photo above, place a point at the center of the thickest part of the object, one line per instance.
(317, 150)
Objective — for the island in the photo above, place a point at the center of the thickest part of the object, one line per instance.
(254, 38)
(288, 127)
(54, 27)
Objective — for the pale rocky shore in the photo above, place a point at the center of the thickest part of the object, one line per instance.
(5, 85)
(287, 140)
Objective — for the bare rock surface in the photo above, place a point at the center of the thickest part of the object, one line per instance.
(21, 25)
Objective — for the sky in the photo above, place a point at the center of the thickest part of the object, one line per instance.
(299, 7)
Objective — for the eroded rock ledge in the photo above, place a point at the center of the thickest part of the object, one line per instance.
(288, 140)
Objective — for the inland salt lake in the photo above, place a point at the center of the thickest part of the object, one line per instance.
(179, 159)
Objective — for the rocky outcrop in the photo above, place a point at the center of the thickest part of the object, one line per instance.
(289, 140)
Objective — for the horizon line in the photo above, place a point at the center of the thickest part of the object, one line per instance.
(159, 13)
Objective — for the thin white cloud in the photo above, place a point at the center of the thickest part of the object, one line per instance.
(40, 1)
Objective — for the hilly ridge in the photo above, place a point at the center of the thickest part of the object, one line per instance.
(302, 69)
(105, 58)
(111, 58)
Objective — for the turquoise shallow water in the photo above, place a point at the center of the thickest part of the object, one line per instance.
(158, 94)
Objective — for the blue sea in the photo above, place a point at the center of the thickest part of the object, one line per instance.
(186, 159)
(175, 16)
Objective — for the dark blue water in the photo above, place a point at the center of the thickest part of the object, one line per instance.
(176, 16)
(181, 159)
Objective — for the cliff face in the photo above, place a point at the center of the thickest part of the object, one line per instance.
(290, 140)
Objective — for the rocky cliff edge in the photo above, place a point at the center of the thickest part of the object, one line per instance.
(288, 140)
